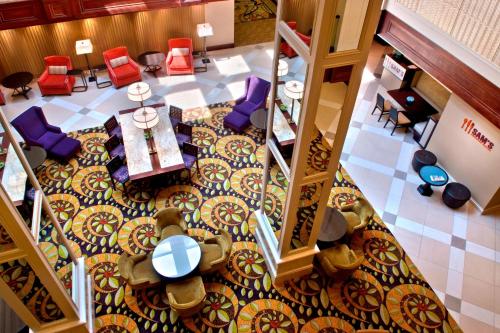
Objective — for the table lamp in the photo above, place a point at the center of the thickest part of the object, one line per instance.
(85, 47)
(294, 90)
(282, 70)
(139, 92)
(204, 30)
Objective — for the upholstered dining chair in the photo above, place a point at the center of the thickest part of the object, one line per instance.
(190, 157)
(186, 297)
(118, 172)
(54, 79)
(170, 222)
(184, 133)
(122, 69)
(398, 119)
(138, 270)
(175, 114)
(383, 105)
(357, 215)
(339, 261)
(215, 252)
(2, 98)
(114, 147)
(113, 127)
(286, 49)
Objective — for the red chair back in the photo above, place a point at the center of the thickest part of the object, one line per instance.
(180, 43)
(57, 60)
(114, 53)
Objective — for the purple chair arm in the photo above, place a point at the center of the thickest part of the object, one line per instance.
(264, 101)
(53, 128)
(45, 123)
(244, 97)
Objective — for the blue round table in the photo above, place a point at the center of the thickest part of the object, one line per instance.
(432, 176)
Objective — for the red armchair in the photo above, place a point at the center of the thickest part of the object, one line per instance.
(286, 49)
(121, 68)
(2, 98)
(180, 56)
(54, 80)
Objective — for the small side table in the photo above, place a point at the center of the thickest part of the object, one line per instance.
(259, 118)
(35, 156)
(76, 72)
(333, 228)
(103, 84)
(432, 176)
(151, 60)
(203, 67)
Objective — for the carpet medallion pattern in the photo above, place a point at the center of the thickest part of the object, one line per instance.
(387, 291)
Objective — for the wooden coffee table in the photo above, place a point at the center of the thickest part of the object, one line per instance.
(19, 83)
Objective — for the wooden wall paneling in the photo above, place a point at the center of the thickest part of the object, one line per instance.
(302, 11)
(58, 10)
(139, 31)
(20, 14)
(473, 88)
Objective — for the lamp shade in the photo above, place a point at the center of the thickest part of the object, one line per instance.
(139, 92)
(282, 68)
(294, 89)
(145, 118)
(204, 30)
(84, 47)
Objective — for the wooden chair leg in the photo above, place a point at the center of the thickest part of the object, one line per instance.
(387, 122)
(125, 188)
(113, 183)
(375, 108)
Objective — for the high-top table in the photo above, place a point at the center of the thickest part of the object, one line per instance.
(418, 111)
(141, 164)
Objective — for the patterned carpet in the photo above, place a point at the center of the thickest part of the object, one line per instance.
(253, 10)
(387, 291)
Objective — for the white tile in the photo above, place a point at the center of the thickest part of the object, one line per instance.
(395, 194)
(108, 92)
(409, 225)
(98, 116)
(457, 259)
(480, 250)
(497, 321)
(65, 104)
(454, 283)
(438, 235)
(405, 156)
(477, 313)
(459, 226)
(66, 125)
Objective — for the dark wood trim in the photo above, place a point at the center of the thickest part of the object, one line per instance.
(220, 47)
(474, 89)
(25, 13)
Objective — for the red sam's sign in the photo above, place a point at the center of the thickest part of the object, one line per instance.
(469, 128)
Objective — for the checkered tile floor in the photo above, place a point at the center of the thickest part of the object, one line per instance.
(457, 251)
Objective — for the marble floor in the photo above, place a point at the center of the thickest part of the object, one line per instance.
(457, 251)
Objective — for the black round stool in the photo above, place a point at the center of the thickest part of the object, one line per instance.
(455, 195)
(421, 158)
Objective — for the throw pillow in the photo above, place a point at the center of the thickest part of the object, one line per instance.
(118, 61)
(183, 51)
(58, 70)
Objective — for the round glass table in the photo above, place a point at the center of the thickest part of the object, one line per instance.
(333, 228)
(35, 156)
(176, 256)
(432, 176)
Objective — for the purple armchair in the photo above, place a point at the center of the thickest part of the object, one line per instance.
(33, 127)
(255, 97)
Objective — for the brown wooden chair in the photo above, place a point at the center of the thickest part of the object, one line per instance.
(186, 297)
(215, 252)
(113, 128)
(114, 147)
(184, 133)
(383, 105)
(339, 261)
(190, 157)
(357, 215)
(170, 222)
(398, 119)
(118, 172)
(138, 270)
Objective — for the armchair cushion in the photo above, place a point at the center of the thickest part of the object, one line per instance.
(246, 108)
(58, 69)
(180, 62)
(65, 149)
(55, 81)
(125, 71)
(49, 139)
(171, 230)
(118, 61)
(180, 51)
